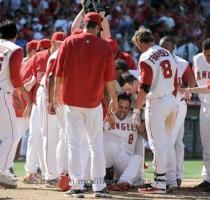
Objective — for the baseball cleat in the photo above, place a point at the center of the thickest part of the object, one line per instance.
(202, 186)
(101, 194)
(75, 193)
(179, 182)
(152, 190)
(7, 182)
(32, 179)
(51, 183)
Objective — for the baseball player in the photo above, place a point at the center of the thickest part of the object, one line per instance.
(201, 64)
(158, 80)
(34, 152)
(29, 82)
(49, 130)
(120, 144)
(119, 54)
(176, 155)
(18, 101)
(82, 87)
(11, 57)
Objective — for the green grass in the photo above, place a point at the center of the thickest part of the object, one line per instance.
(192, 169)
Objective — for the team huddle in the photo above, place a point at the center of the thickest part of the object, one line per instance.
(89, 111)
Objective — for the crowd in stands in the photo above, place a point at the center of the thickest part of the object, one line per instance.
(187, 20)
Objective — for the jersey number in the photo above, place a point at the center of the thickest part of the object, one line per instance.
(1, 60)
(130, 138)
(166, 69)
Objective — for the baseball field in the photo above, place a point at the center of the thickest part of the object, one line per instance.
(41, 192)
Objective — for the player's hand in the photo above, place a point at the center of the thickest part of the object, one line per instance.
(51, 109)
(187, 96)
(110, 119)
(113, 106)
(136, 117)
(56, 100)
(27, 111)
(28, 85)
(184, 90)
(82, 2)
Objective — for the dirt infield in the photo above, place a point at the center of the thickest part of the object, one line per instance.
(40, 192)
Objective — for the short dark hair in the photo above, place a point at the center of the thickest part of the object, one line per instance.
(121, 64)
(8, 29)
(168, 38)
(206, 44)
(124, 96)
(90, 25)
(126, 78)
(143, 35)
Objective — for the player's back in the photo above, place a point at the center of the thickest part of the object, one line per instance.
(6, 50)
(163, 68)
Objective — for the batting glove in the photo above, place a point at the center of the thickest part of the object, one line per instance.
(136, 117)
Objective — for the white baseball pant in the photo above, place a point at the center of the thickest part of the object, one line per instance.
(78, 120)
(176, 152)
(49, 133)
(205, 139)
(34, 155)
(126, 167)
(8, 134)
(156, 113)
(62, 149)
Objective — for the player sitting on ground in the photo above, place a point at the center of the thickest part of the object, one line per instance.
(120, 143)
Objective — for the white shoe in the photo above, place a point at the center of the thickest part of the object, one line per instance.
(7, 182)
(11, 175)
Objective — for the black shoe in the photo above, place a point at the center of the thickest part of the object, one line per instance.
(202, 186)
(109, 176)
(75, 193)
(179, 182)
(207, 189)
(101, 194)
(52, 183)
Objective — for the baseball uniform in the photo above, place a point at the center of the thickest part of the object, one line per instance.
(158, 70)
(176, 153)
(202, 75)
(82, 91)
(11, 57)
(120, 146)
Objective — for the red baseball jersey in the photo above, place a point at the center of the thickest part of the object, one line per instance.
(18, 101)
(39, 64)
(85, 62)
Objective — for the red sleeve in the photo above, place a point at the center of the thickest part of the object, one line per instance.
(187, 74)
(15, 66)
(59, 61)
(110, 72)
(146, 74)
(131, 62)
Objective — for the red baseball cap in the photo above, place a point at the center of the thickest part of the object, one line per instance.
(113, 44)
(59, 36)
(93, 17)
(44, 44)
(32, 45)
